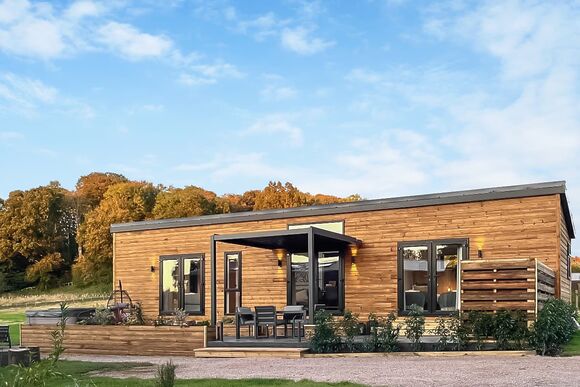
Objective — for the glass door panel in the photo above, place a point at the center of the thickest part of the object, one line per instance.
(232, 283)
(329, 279)
(299, 292)
(170, 285)
(416, 277)
(446, 260)
(192, 274)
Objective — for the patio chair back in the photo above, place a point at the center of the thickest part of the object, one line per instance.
(5, 336)
(266, 315)
(292, 312)
(245, 315)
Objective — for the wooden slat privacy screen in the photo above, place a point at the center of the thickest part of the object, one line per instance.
(512, 284)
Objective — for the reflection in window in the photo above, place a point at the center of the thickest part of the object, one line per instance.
(182, 284)
(416, 276)
(447, 258)
(232, 282)
(192, 284)
(170, 285)
(328, 279)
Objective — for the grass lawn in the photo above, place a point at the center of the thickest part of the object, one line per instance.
(13, 319)
(78, 370)
(573, 347)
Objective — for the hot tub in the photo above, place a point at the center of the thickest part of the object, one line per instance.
(52, 316)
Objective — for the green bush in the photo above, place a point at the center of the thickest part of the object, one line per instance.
(442, 330)
(415, 326)
(165, 375)
(325, 338)
(458, 332)
(553, 328)
(383, 334)
(481, 326)
(350, 327)
(510, 329)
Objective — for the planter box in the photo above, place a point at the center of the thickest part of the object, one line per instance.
(121, 340)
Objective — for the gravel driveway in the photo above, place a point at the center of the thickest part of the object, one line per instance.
(391, 370)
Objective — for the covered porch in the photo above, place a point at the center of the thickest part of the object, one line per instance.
(308, 252)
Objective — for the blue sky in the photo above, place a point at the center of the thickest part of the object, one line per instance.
(380, 98)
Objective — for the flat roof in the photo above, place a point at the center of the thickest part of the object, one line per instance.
(466, 196)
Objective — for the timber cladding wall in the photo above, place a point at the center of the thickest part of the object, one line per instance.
(503, 229)
(120, 340)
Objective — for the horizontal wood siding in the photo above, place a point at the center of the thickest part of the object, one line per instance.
(120, 340)
(510, 228)
(562, 270)
(545, 284)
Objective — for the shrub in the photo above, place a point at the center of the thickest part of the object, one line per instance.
(383, 334)
(350, 328)
(481, 325)
(100, 317)
(442, 330)
(325, 338)
(510, 329)
(135, 316)
(415, 326)
(165, 375)
(553, 328)
(180, 318)
(458, 332)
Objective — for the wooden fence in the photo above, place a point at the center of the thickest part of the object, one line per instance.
(512, 284)
(120, 339)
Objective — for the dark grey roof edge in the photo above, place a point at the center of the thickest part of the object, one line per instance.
(474, 195)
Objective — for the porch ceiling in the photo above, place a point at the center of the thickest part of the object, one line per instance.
(295, 241)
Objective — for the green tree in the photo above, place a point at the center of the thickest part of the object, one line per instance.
(122, 202)
(35, 227)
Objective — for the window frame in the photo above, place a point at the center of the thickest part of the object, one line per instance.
(239, 279)
(432, 275)
(569, 260)
(181, 290)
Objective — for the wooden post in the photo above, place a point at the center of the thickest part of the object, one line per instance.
(213, 281)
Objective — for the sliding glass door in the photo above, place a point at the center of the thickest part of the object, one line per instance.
(181, 283)
(429, 275)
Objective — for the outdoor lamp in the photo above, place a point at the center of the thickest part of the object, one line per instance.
(353, 253)
(479, 253)
(280, 253)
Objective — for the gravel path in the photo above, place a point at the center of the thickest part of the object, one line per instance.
(391, 370)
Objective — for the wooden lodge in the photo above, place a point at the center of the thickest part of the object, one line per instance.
(485, 249)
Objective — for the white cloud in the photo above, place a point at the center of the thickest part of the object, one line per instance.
(131, 43)
(7, 136)
(25, 95)
(84, 8)
(276, 125)
(278, 93)
(299, 40)
(207, 74)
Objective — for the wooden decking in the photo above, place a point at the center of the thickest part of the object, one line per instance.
(230, 352)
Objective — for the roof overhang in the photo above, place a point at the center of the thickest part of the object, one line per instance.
(294, 241)
(468, 196)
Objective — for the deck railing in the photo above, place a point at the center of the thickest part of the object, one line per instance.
(513, 284)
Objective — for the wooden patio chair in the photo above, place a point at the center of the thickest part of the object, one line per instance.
(291, 314)
(5, 336)
(244, 316)
(266, 316)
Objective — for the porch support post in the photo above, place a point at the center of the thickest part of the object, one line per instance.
(311, 276)
(213, 281)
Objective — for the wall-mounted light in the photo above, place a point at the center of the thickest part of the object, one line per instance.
(479, 253)
(280, 253)
(152, 269)
(353, 253)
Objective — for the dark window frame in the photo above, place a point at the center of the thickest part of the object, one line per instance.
(181, 290)
(430, 243)
(239, 279)
(339, 311)
(569, 260)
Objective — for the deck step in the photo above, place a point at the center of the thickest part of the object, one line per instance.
(288, 353)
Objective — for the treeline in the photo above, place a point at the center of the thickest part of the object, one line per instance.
(50, 235)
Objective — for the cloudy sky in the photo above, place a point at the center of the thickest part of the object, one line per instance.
(381, 98)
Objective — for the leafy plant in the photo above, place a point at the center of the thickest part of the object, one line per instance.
(136, 315)
(510, 329)
(203, 323)
(325, 339)
(458, 332)
(383, 333)
(161, 321)
(350, 328)
(165, 375)
(482, 325)
(228, 320)
(101, 316)
(442, 330)
(415, 326)
(553, 328)
(180, 318)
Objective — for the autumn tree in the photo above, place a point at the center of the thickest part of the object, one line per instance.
(37, 235)
(188, 201)
(276, 195)
(122, 202)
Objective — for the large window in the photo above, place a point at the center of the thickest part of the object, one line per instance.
(429, 274)
(232, 281)
(181, 283)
